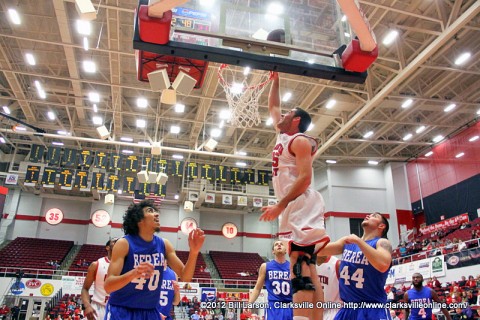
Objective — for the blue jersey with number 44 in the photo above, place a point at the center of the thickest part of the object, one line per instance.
(141, 293)
(359, 281)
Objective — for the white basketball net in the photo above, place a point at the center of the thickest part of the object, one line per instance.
(242, 96)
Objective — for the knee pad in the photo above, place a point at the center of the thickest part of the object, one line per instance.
(297, 284)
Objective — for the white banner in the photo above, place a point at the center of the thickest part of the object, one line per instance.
(438, 267)
(190, 289)
(404, 272)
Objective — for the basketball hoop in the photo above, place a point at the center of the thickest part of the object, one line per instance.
(242, 97)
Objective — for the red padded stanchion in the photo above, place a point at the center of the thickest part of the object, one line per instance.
(354, 59)
(154, 30)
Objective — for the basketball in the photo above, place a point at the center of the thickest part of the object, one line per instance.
(277, 35)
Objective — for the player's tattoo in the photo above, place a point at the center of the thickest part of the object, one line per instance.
(385, 244)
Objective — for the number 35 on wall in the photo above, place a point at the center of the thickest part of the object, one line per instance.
(54, 216)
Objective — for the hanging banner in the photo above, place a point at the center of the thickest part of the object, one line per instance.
(249, 176)
(131, 163)
(11, 179)
(100, 160)
(115, 161)
(98, 180)
(81, 181)
(147, 163)
(36, 153)
(206, 172)
(65, 179)
(209, 294)
(264, 177)
(86, 158)
(192, 170)
(32, 176)
(236, 175)
(129, 185)
(438, 268)
(69, 157)
(463, 258)
(143, 189)
(49, 176)
(160, 190)
(177, 168)
(112, 182)
(162, 165)
(445, 223)
(53, 156)
(222, 174)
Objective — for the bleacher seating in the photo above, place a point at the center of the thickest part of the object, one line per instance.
(234, 265)
(33, 253)
(88, 253)
(183, 255)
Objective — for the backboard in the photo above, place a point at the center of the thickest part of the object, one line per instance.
(234, 32)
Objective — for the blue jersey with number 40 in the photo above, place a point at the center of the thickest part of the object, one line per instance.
(359, 280)
(277, 281)
(141, 293)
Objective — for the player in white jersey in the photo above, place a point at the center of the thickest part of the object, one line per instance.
(300, 207)
(328, 269)
(96, 274)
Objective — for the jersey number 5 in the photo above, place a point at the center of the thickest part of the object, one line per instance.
(357, 276)
(152, 282)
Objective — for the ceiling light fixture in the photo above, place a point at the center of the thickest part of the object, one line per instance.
(310, 127)
(2, 140)
(177, 156)
(179, 108)
(408, 136)
(84, 27)
(6, 110)
(30, 59)
(127, 151)
(331, 103)
(126, 139)
(94, 97)
(175, 129)
(246, 71)
(390, 37)
(474, 138)
(461, 154)
(331, 161)
(141, 123)
(286, 96)
(241, 164)
(372, 162)
(428, 154)
(215, 132)
(464, 57)
(85, 44)
(89, 66)
(51, 115)
(344, 18)
(420, 129)
(407, 103)
(438, 138)
(14, 16)
(241, 153)
(450, 107)
(95, 109)
(97, 120)
(269, 122)
(225, 114)
(368, 134)
(142, 103)
(275, 8)
(56, 143)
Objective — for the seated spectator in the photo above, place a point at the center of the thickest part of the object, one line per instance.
(461, 245)
(4, 310)
(393, 315)
(435, 282)
(462, 282)
(471, 283)
(403, 251)
(462, 314)
(391, 295)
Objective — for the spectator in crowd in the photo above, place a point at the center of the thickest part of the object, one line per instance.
(461, 245)
(393, 315)
(471, 283)
(15, 311)
(462, 314)
(195, 316)
(4, 310)
(435, 282)
(462, 282)
(403, 250)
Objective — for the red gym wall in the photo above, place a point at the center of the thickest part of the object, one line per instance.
(442, 169)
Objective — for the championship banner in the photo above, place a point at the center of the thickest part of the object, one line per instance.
(112, 182)
(97, 180)
(177, 168)
(81, 181)
(129, 185)
(263, 177)
(221, 173)
(445, 223)
(131, 164)
(65, 179)
(32, 176)
(249, 176)
(69, 157)
(36, 153)
(206, 172)
(236, 175)
(86, 158)
(209, 294)
(160, 190)
(147, 163)
(463, 258)
(192, 170)
(53, 156)
(49, 176)
(143, 189)
(115, 161)
(161, 165)
(100, 160)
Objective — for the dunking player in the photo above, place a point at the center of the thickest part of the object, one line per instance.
(424, 296)
(169, 294)
(136, 270)
(96, 274)
(276, 275)
(300, 208)
(364, 269)
(328, 269)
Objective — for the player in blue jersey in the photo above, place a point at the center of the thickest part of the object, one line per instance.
(136, 271)
(363, 270)
(420, 299)
(169, 294)
(275, 275)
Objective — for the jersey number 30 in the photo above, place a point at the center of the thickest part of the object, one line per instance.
(357, 276)
(281, 287)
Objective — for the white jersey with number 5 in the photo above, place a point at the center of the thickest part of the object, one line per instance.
(328, 273)
(302, 220)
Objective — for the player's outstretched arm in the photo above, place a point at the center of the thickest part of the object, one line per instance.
(89, 312)
(274, 100)
(333, 248)
(380, 257)
(185, 271)
(262, 272)
(115, 280)
(437, 299)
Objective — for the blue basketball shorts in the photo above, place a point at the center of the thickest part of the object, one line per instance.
(123, 313)
(363, 314)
